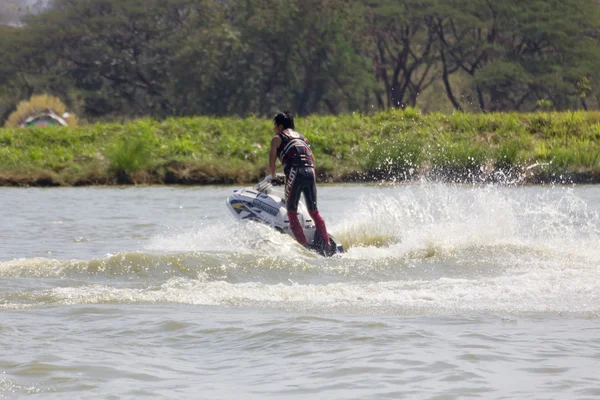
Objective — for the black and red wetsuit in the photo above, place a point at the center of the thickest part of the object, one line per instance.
(298, 165)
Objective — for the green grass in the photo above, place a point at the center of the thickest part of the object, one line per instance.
(128, 156)
(392, 145)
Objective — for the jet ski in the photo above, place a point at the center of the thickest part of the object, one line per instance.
(265, 203)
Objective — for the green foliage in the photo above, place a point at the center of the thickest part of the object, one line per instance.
(392, 145)
(584, 87)
(544, 104)
(462, 160)
(130, 154)
(519, 52)
(114, 60)
(577, 157)
(508, 156)
(394, 158)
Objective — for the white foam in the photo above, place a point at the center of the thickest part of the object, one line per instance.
(446, 249)
(228, 236)
(562, 291)
(38, 267)
(451, 218)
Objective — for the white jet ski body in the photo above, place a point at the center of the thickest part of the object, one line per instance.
(265, 203)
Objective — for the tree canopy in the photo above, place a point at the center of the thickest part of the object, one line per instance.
(114, 59)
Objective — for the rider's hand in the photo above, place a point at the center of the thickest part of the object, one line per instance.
(277, 181)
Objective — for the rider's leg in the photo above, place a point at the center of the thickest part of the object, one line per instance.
(292, 197)
(310, 195)
(320, 225)
(296, 227)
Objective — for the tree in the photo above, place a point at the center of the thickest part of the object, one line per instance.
(112, 59)
(518, 52)
(308, 52)
(403, 49)
(117, 52)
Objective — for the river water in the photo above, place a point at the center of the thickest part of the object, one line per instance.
(445, 292)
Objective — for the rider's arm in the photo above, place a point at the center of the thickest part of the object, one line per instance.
(275, 143)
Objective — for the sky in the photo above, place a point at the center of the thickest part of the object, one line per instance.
(12, 10)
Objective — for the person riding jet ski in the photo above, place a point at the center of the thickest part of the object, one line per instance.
(295, 154)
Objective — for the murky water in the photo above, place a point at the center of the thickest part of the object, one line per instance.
(445, 292)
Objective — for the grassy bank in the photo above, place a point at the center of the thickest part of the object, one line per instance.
(395, 146)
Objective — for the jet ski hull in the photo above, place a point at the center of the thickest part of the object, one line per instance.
(265, 203)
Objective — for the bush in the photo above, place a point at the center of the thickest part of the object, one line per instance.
(40, 104)
(129, 155)
(394, 159)
(394, 145)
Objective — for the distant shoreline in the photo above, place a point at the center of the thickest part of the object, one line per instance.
(46, 181)
(390, 146)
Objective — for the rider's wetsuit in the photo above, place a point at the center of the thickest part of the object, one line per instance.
(298, 165)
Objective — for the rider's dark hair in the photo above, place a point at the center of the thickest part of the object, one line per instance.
(286, 119)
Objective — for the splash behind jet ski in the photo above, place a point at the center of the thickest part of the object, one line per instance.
(265, 203)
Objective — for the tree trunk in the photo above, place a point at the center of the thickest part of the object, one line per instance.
(480, 98)
(445, 78)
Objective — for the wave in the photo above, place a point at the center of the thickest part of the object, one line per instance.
(430, 248)
(139, 265)
(564, 293)
(386, 234)
(372, 264)
(434, 216)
